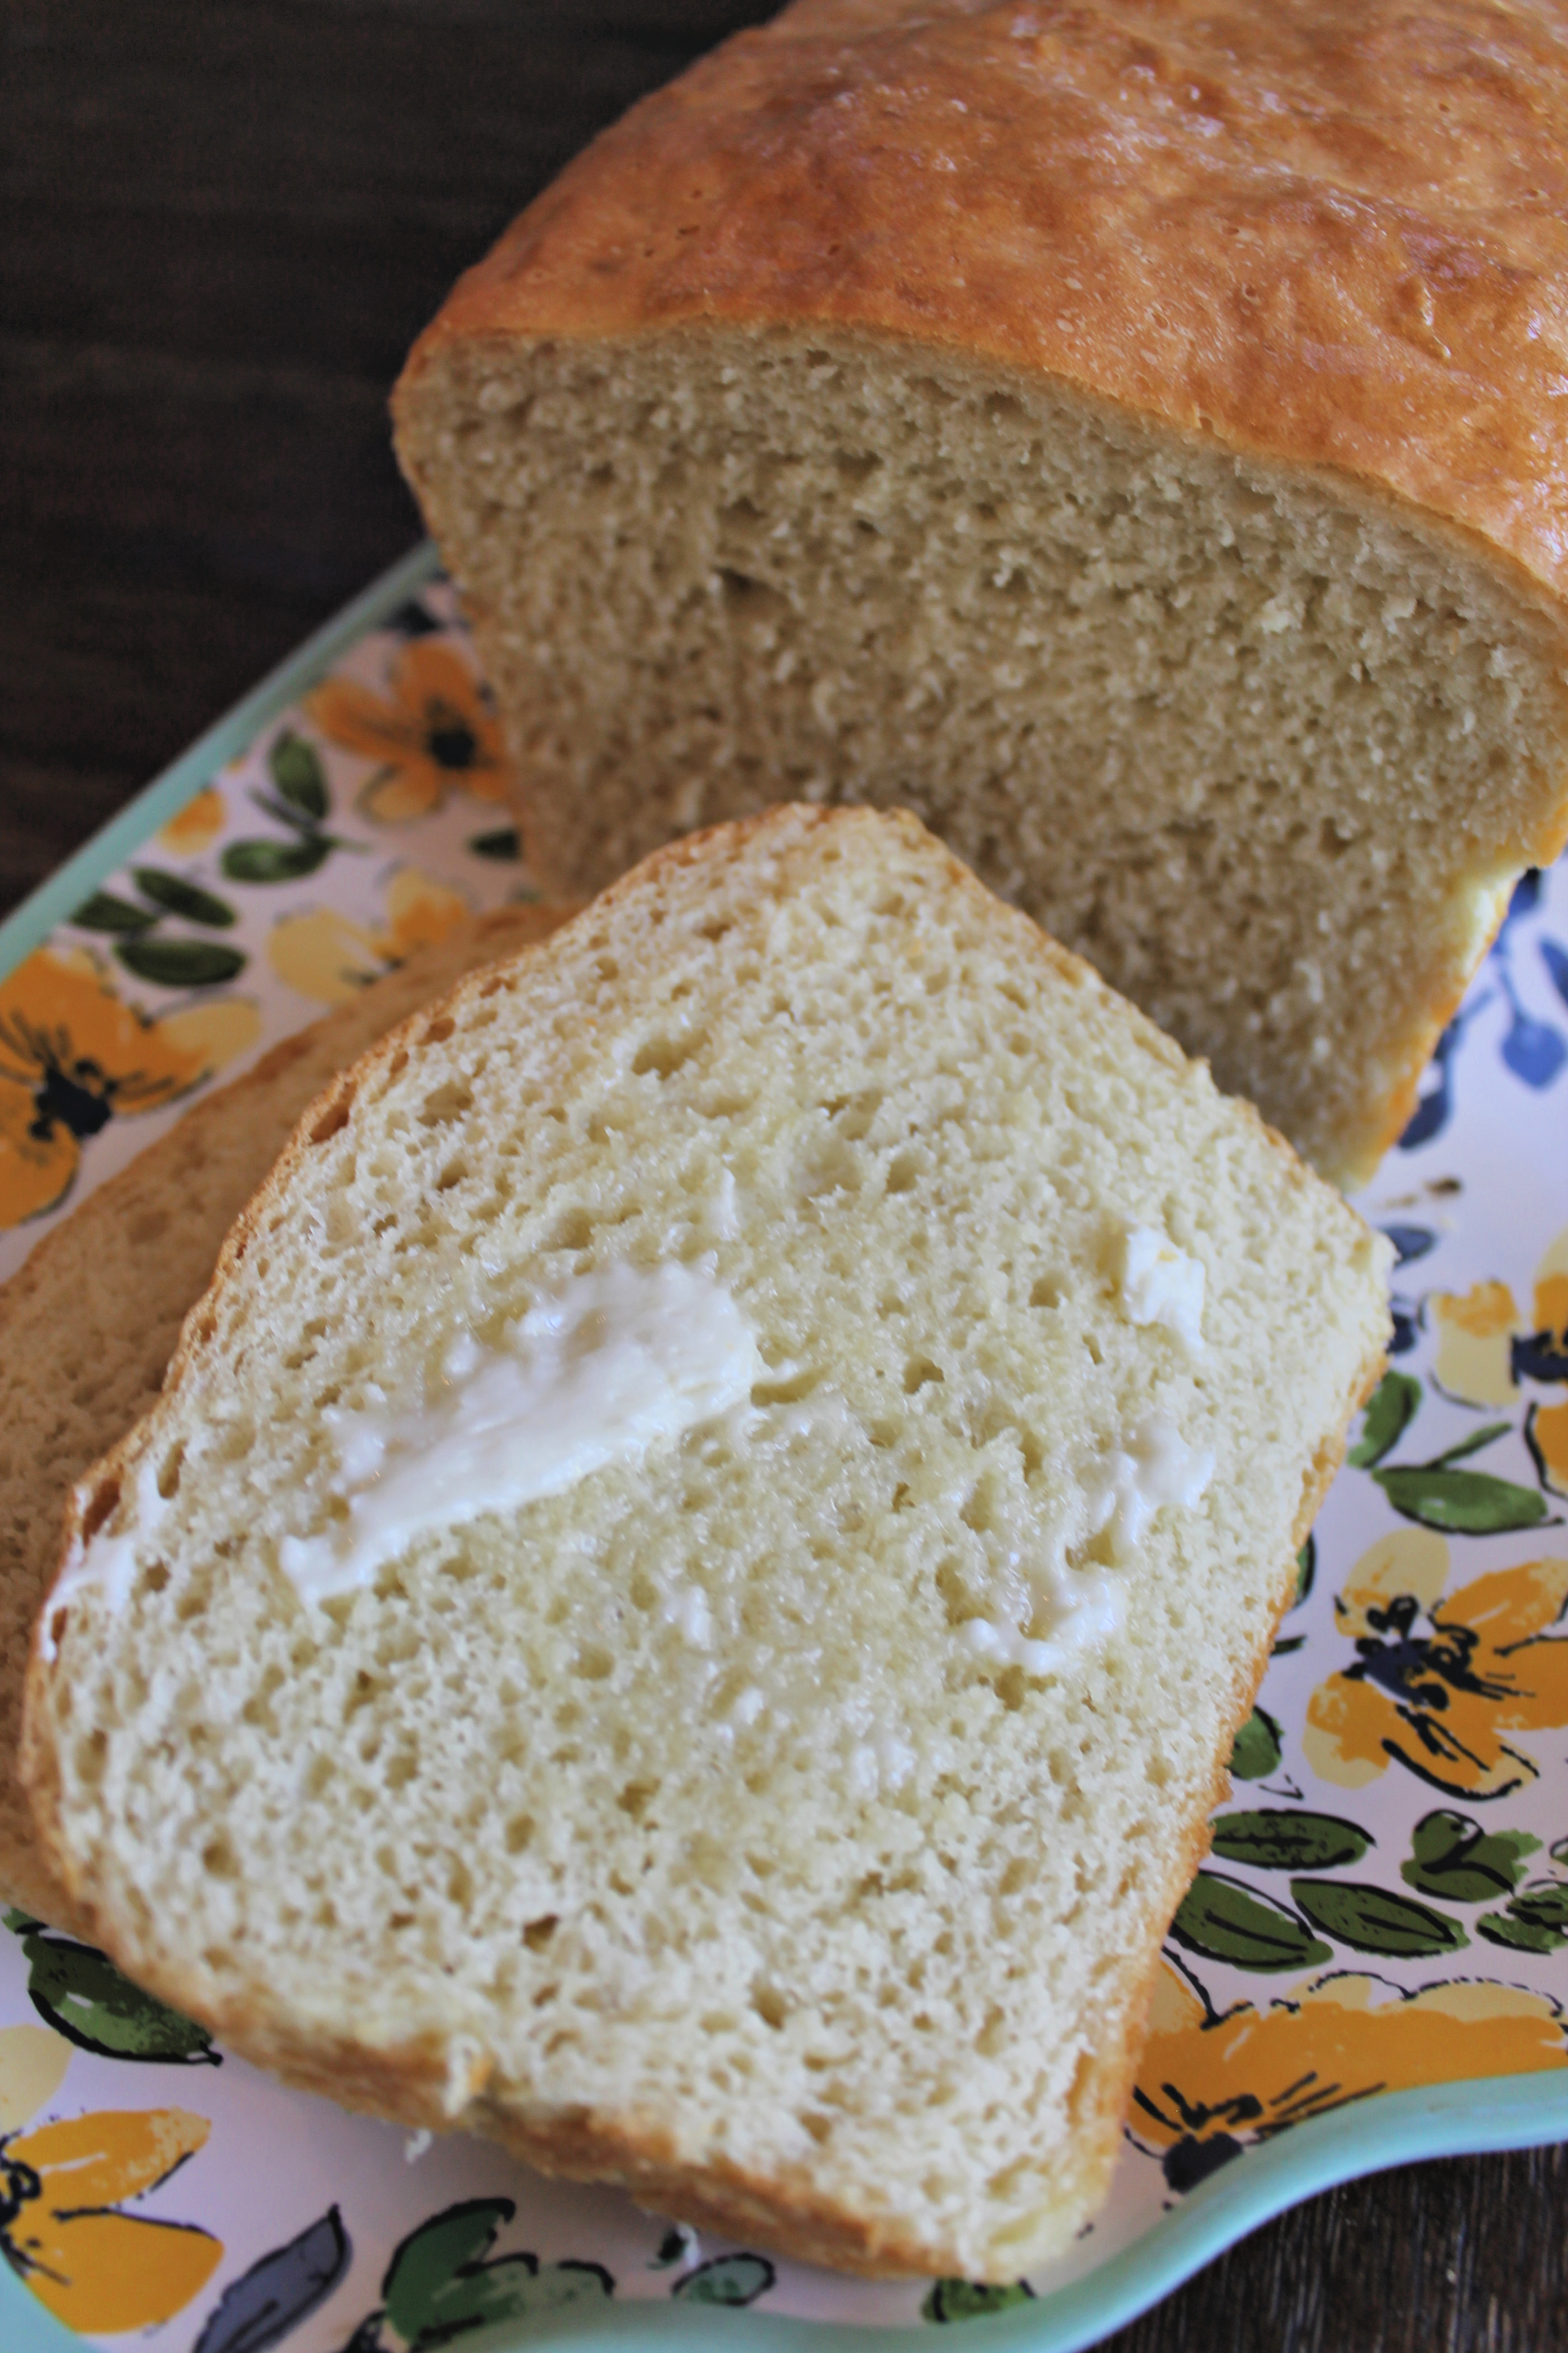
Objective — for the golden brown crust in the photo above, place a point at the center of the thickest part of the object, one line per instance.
(1332, 232)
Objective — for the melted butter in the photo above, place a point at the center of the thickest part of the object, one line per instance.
(594, 1374)
(1160, 1284)
(1119, 1492)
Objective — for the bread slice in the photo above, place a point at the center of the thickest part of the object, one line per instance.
(1126, 438)
(685, 1600)
(89, 1321)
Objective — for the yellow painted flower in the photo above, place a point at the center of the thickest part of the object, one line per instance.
(1543, 1354)
(1207, 2085)
(1436, 1683)
(435, 731)
(61, 2229)
(73, 1054)
(327, 957)
(1475, 1336)
(1547, 1431)
(1484, 1345)
(62, 2185)
(195, 826)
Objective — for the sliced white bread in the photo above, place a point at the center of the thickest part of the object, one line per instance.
(89, 1321)
(685, 1601)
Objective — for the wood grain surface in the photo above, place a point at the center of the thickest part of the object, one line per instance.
(222, 226)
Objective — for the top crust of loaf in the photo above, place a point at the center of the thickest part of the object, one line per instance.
(1328, 231)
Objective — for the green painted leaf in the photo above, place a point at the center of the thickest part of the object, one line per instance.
(104, 912)
(957, 2299)
(178, 897)
(297, 771)
(1461, 1503)
(1518, 1936)
(1470, 1445)
(1306, 1570)
(1257, 1747)
(728, 2279)
(1452, 1857)
(1546, 1901)
(18, 1922)
(437, 2287)
(1535, 1921)
(426, 2262)
(81, 1993)
(1371, 1920)
(1225, 1921)
(181, 964)
(275, 862)
(1390, 1410)
(1275, 1839)
(503, 843)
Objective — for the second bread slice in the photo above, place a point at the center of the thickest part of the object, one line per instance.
(760, 1770)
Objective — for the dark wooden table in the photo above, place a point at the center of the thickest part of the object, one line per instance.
(222, 226)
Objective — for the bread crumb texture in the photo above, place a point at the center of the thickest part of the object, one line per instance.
(669, 1827)
(1266, 748)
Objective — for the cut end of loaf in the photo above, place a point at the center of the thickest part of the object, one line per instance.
(1262, 743)
(674, 1826)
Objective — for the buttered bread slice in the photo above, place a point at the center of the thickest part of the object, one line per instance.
(687, 1599)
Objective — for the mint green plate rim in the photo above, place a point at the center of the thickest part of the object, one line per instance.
(1393, 2128)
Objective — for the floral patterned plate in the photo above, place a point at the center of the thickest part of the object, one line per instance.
(1372, 1965)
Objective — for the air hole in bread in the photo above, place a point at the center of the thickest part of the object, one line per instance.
(103, 1499)
(664, 1056)
(979, 1510)
(217, 1859)
(538, 1932)
(437, 1032)
(334, 1118)
(787, 1391)
(918, 1374)
(445, 1102)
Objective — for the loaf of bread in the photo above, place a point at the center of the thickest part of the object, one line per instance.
(686, 1597)
(88, 1324)
(1128, 434)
